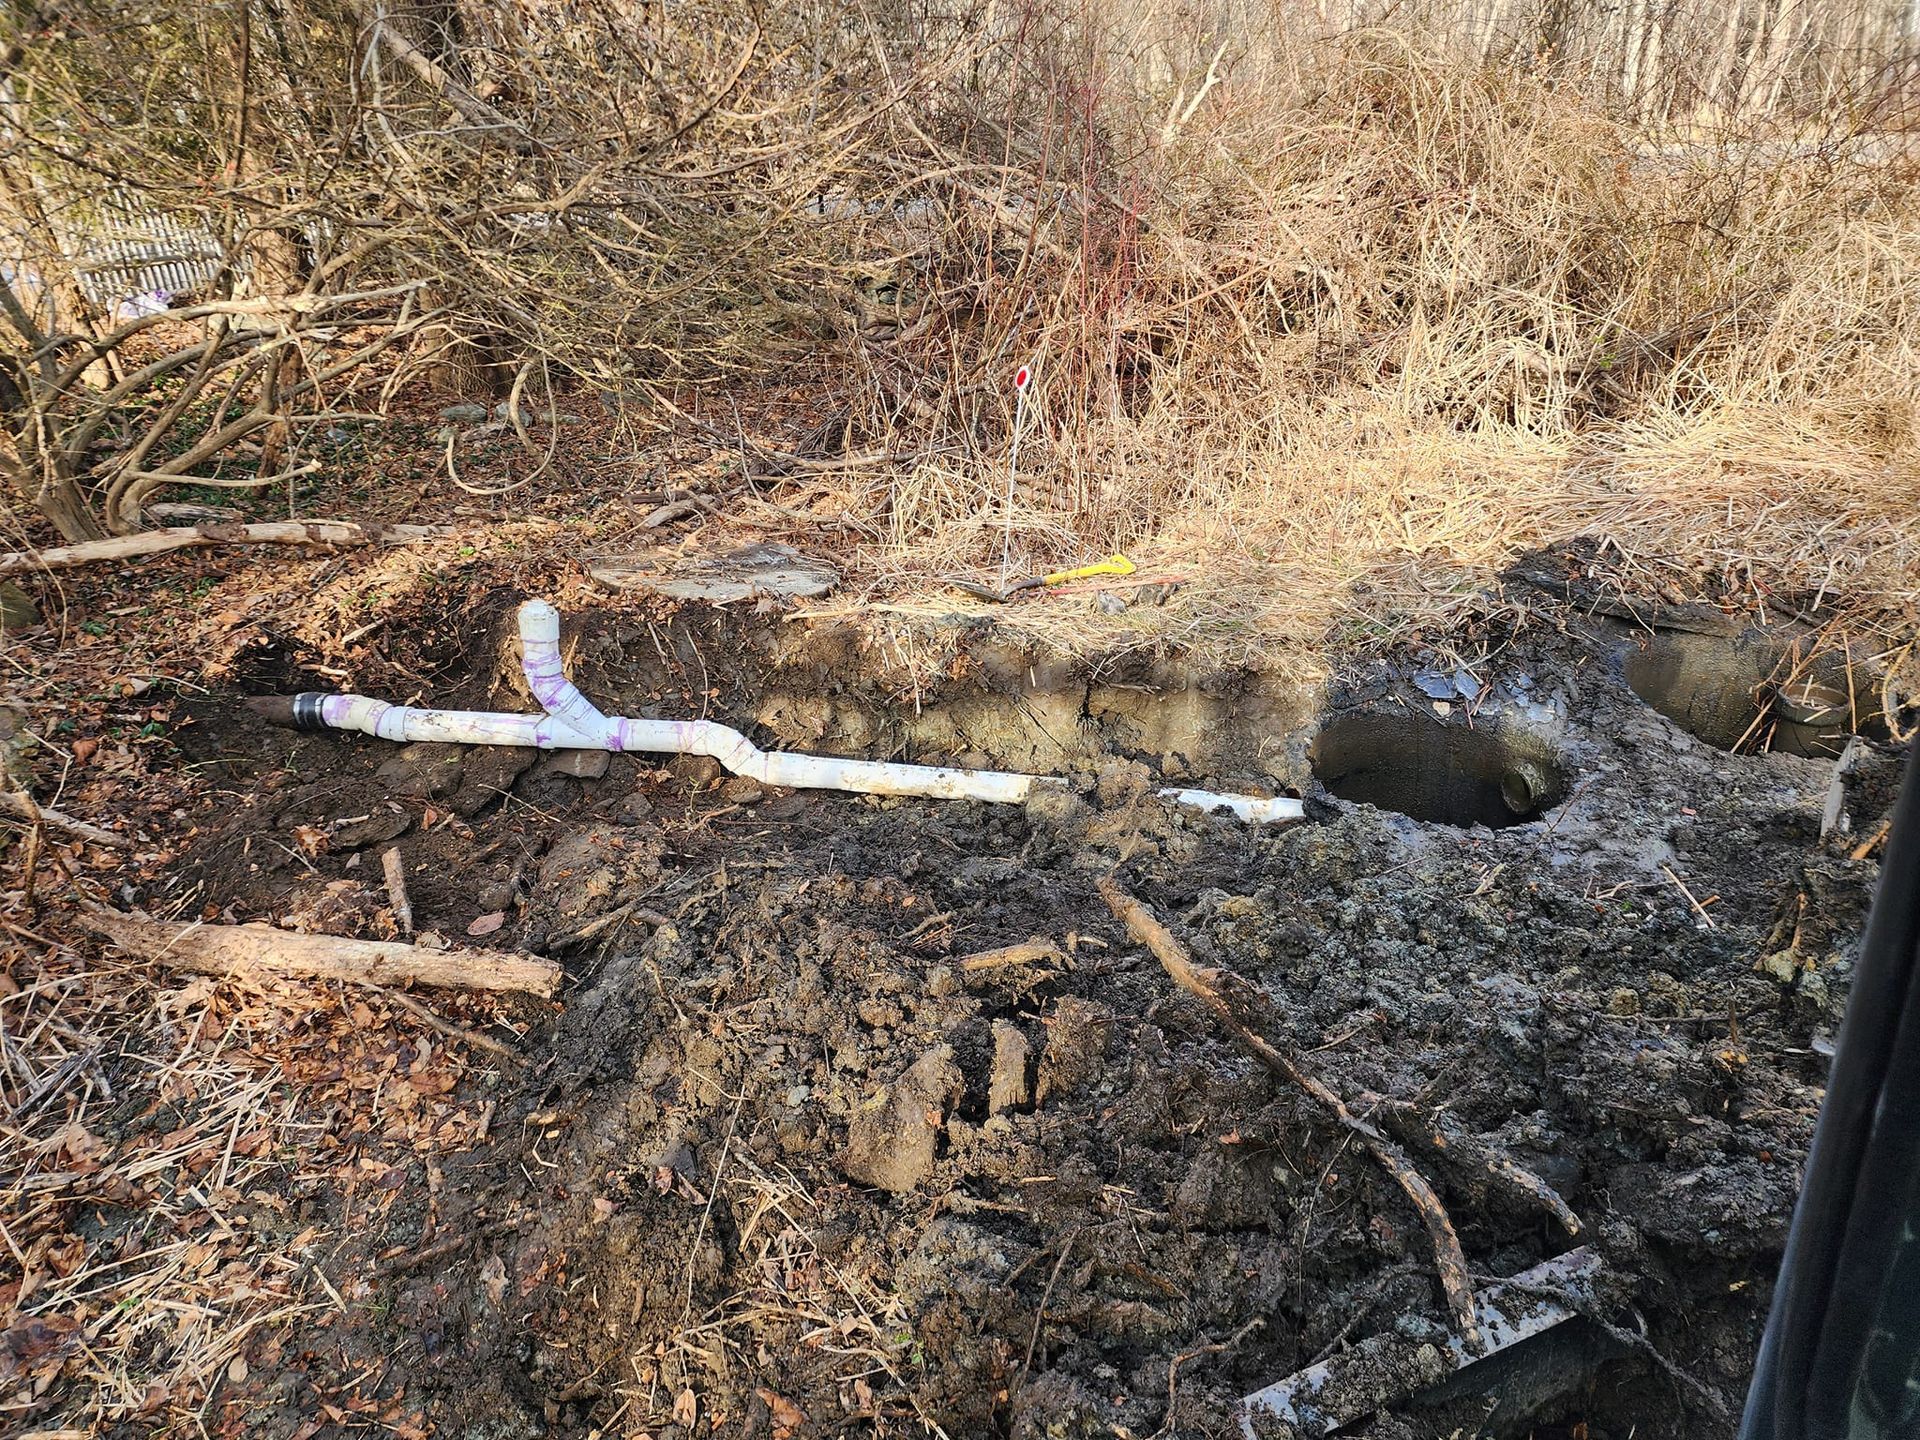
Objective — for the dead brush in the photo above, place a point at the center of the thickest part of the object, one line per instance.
(1361, 324)
(142, 1278)
(797, 1299)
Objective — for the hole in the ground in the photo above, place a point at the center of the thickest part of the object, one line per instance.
(1755, 693)
(1453, 774)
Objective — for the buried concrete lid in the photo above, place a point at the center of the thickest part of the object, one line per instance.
(752, 572)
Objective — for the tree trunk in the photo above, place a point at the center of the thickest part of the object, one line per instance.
(275, 259)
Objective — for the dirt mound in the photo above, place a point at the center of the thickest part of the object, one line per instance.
(790, 1163)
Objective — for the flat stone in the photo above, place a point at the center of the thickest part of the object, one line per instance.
(580, 764)
(426, 770)
(487, 773)
(784, 807)
(742, 791)
(17, 610)
(752, 572)
(385, 823)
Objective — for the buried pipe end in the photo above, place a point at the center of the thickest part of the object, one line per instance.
(1523, 788)
(292, 712)
(274, 709)
(308, 711)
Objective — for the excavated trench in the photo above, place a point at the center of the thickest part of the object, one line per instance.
(1756, 691)
(1450, 774)
(809, 1142)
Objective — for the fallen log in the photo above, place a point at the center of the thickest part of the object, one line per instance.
(1210, 987)
(262, 950)
(336, 534)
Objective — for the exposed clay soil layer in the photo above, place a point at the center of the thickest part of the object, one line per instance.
(785, 1164)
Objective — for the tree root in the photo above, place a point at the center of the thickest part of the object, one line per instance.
(1211, 987)
(1491, 1165)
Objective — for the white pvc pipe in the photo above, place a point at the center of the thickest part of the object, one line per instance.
(573, 722)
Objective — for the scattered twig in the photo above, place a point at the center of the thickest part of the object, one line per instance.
(449, 1029)
(339, 534)
(36, 824)
(1500, 1170)
(1367, 1299)
(666, 514)
(395, 870)
(632, 909)
(53, 1084)
(1867, 846)
(1208, 986)
(939, 917)
(414, 1259)
(1698, 908)
(713, 1191)
(1230, 1343)
(1706, 1394)
(1040, 1315)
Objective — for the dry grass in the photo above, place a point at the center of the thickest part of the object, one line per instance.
(1370, 323)
(1336, 320)
(799, 1300)
(157, 1142)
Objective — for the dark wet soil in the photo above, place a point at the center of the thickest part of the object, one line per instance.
(786, 1165)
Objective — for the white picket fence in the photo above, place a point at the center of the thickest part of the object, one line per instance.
(127, 255)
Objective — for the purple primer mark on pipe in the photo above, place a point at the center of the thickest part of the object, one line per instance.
(548, 686)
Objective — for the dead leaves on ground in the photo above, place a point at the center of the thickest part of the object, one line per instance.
(158, 1266)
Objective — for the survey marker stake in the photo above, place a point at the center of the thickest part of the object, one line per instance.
(1022, 379)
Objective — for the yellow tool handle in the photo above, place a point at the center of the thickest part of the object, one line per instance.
(1112, 565)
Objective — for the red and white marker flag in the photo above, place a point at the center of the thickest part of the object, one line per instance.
(1022, 379)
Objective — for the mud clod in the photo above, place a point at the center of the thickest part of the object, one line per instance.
(892, 1137)
(1075, 1057)
(487, 774)
(587, 868)
(1007, 1087)
(742, 791)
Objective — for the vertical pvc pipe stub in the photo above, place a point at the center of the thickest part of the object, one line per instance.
(539, 621)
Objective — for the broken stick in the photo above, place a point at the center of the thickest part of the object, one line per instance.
(449, 1029)
(1495, 1169)
(395, 870)
(1028, 952)
(1209, 987)
(263, 950)
(334, 533)
(22, 807)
